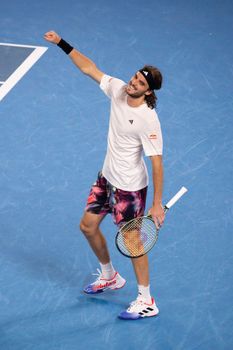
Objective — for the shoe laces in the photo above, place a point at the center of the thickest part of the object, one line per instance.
(138, 301)
(98, 274)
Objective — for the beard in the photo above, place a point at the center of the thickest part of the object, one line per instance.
(132, 92)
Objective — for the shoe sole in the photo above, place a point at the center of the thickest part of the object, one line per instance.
(125, 318)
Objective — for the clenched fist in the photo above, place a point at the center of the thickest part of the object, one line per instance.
(52, 37)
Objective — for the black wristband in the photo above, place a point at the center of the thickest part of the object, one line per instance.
(65, 46)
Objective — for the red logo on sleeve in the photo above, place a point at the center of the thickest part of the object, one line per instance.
(152, 137)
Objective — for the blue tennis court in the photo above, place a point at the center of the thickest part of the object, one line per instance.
(54, 125)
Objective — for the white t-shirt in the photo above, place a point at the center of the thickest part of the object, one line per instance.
(132, 130)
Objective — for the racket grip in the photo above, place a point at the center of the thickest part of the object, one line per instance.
(174, 199)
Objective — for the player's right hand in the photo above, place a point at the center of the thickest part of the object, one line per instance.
(52, 37)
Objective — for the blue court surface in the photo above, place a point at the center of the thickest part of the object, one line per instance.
(53, 126)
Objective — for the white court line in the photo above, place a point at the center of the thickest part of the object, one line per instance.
(19, 45)
(22, 69)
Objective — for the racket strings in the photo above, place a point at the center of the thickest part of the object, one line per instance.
(137, 237)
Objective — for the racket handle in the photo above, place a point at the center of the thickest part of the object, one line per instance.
(174, 199)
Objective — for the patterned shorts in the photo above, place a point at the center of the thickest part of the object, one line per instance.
(123, 205)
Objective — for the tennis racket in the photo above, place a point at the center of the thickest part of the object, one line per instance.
(138, 236)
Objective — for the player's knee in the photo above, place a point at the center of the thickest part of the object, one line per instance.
(87, 229)
(83, 227)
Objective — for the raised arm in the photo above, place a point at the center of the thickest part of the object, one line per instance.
(85, 64)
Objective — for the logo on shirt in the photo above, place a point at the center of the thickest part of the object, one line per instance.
(131, 121)
(152, 137)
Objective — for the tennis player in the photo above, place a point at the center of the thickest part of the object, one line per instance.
(121, 185)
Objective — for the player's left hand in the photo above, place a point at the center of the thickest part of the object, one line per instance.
(158, 215)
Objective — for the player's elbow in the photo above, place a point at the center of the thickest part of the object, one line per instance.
(85, 70)
(88, 69)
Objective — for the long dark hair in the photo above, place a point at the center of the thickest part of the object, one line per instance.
(151, 99)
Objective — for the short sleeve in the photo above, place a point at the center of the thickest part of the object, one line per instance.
(152, 140)
(111, 86)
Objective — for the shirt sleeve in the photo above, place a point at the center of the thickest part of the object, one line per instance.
(152, 140)
(111, 86)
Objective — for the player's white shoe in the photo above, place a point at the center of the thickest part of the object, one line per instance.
(139, 309)
(101, 284)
